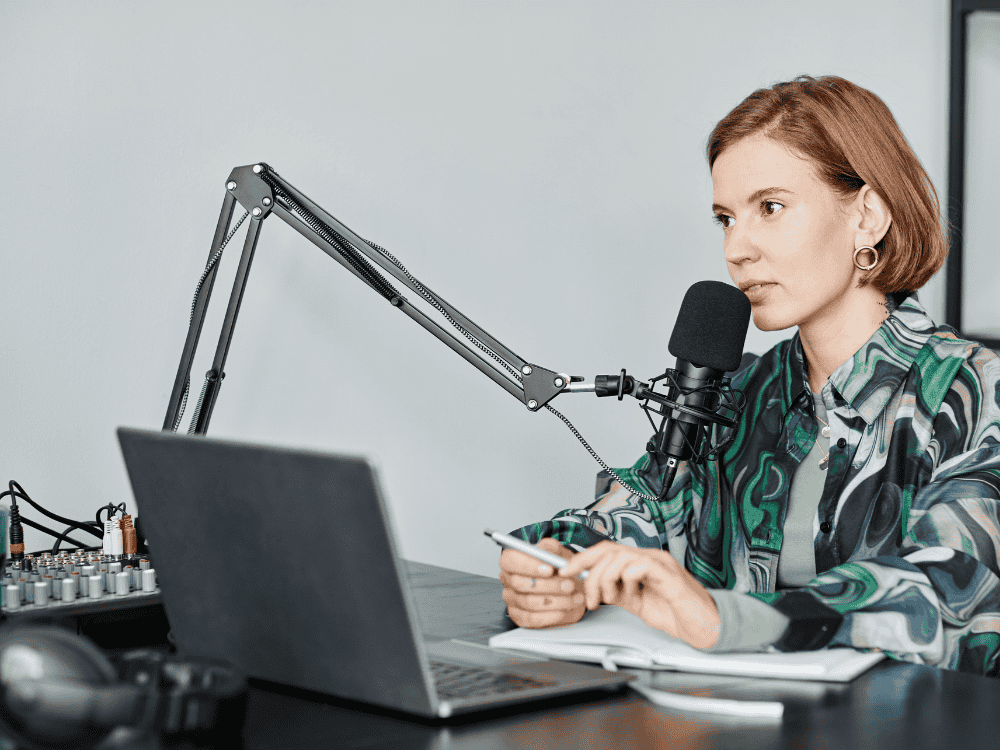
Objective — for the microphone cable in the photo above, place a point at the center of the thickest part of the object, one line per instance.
(358, 261)
(597, 458)
(371, 275)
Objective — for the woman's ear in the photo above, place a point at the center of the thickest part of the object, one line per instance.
(873, 217)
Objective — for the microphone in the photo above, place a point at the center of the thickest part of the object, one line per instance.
(707, 341)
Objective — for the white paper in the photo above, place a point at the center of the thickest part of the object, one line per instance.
(613, 637)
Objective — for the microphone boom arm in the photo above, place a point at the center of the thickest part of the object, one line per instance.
(695, 395)
(261, 191)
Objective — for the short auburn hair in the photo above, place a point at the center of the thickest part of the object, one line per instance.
(851, 137)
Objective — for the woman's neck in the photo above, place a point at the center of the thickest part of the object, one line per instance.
(833, 337)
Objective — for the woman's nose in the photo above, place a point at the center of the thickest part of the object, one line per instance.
(739, 246)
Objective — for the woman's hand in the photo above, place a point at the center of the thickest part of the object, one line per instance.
(535, 596)
(648, 583)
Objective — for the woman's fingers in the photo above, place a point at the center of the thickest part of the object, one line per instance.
(595, 586)
(551, 545)
(514, 561)
(537, 584)
(633, 575)
(545, 595)
(541, 602)
(616, 571)
(592, 560)
(609, 580)
(525, 618)
(624, 576)
(582, 561)
(649, 583)
(535, 596)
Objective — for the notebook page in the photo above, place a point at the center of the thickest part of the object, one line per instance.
(612, 636)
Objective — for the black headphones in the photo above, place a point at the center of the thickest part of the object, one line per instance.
(58, 690)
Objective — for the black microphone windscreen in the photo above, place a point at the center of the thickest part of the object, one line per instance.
(711, 326)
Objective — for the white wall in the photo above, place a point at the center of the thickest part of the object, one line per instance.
(540, 165)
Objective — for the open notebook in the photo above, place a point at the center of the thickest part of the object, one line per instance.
(614, 638)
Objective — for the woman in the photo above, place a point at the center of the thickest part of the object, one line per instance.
(859, 503)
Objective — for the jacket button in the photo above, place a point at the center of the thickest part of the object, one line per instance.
(826, 527)
(842, 443)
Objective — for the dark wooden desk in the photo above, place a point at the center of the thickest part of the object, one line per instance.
(893, 706)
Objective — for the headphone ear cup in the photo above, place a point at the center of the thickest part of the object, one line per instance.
(59, 691)
(54, 689)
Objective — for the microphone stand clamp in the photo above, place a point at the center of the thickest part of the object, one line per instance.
(542, 385)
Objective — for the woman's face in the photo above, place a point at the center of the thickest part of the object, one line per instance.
(789, 239)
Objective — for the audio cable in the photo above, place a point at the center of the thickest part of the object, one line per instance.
(15, 491)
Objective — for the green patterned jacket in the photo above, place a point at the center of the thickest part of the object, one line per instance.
(907, 532)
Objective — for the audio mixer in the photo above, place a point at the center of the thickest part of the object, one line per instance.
(76, 583)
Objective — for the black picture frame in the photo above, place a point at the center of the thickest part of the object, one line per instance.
(957, 100)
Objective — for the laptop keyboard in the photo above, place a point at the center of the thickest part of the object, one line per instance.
(456, 681)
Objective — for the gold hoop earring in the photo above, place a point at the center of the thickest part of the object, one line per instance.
(871, 265)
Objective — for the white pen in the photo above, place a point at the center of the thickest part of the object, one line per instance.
(511, 542)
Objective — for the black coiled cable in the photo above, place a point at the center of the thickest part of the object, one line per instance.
(356, 260)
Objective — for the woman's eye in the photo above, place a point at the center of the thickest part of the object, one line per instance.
(723, 220)
(767, 207)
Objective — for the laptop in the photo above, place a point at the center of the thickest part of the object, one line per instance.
(284, 563)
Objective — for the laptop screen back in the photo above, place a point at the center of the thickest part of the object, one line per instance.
(281, 561)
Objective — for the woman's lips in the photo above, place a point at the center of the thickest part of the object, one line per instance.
(757, 292)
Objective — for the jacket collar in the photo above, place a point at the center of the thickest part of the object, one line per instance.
(867, 380)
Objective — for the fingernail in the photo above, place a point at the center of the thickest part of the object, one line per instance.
(567, 586)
